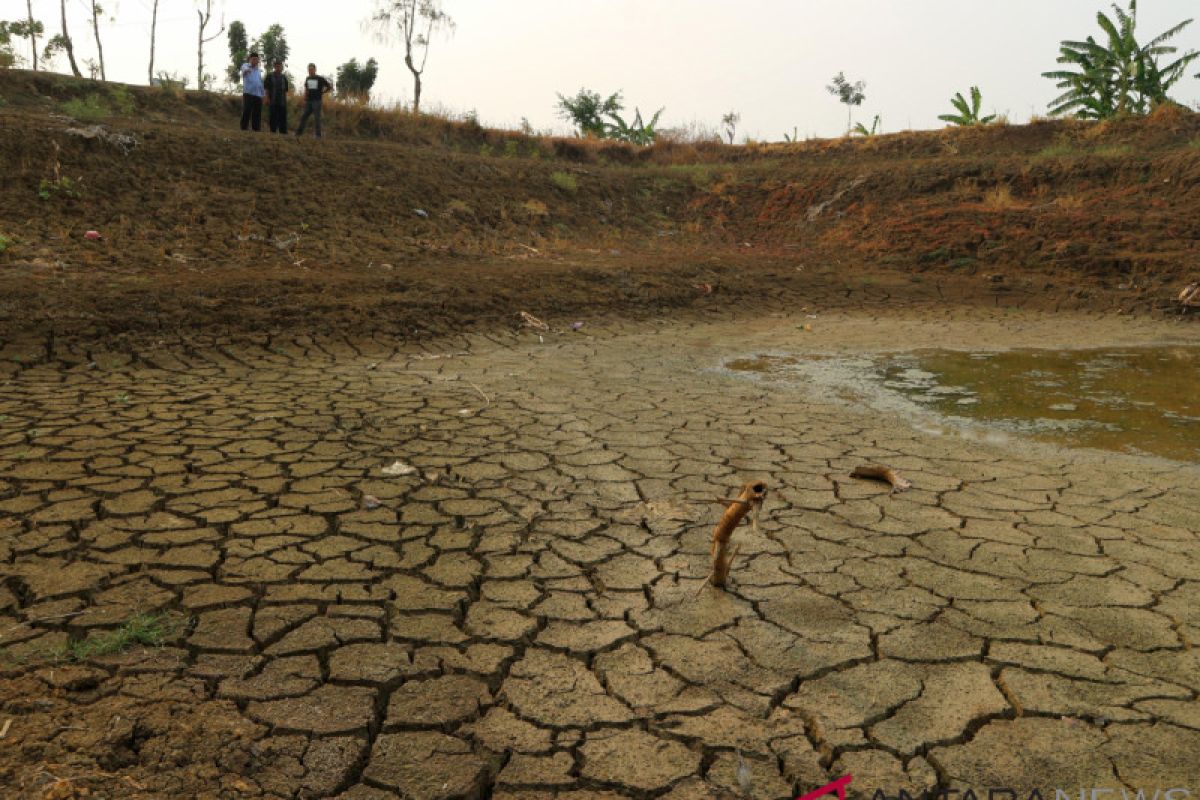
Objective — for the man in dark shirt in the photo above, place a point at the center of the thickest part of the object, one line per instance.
(315, 88)
(276, 85)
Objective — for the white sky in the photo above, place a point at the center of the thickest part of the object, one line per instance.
(770, 60)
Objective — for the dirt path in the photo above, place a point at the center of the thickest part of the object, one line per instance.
(521, 613)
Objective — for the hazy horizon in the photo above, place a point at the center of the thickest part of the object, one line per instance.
(770, 61)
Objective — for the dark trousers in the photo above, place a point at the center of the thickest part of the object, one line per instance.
(251, 112)
(312, 108)
(277, 118)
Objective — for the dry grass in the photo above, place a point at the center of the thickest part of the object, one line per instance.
(1001, 198)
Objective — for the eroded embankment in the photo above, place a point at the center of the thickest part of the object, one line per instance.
(209, 229)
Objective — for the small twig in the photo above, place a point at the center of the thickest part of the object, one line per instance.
(487, 401)
(531, 321)
(4, 728)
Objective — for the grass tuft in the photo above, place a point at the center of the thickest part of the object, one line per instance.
(564, 181)
(152, 630)
(87, 109)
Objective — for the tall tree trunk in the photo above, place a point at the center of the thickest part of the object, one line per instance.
(416, 73)
(153, 28)
(32, 35)
(200, 40)
(96, 30)
(200, 52)
(68, 45)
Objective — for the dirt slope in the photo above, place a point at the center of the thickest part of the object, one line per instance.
(208, 228)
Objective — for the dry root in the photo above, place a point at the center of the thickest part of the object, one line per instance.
(1190, 296)
(750, 498)
(878, 472)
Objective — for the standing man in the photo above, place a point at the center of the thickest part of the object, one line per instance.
(315, 88)
(252, 94)
(277, 91)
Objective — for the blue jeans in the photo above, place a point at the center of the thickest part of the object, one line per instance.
(312, 108)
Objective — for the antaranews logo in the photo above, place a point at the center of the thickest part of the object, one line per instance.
(838, 787)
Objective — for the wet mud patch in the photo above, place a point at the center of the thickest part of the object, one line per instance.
(1142, 401)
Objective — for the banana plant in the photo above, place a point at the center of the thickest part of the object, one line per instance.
(1120, 76)
(636, 132)
(968, 113)
(875, 130)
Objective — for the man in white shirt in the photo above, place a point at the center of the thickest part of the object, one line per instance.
(252, 94)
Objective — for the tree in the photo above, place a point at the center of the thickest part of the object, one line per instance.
(586, 110)
(67, 45)
(202, 80)
(1119, 76)
(852, 94)
(730, 121)
(8, 56)
(28, 28)
(272, 46)
(968, 113)
(415, 22)
(153, 31)
(96, 12)
(239, 47)
(355, 80)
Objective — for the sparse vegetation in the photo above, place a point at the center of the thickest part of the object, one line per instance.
(171, 81)
(565, 181)
(91, 108)
(59, 186)
(967, 112)
(151, 630)
(5, 243)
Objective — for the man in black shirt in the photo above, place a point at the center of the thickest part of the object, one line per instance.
(315, 88)
(276, 85)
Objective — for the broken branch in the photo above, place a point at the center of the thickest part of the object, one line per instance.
(752, 494)
(878, 472)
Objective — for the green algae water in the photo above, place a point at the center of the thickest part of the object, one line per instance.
(1133, 400)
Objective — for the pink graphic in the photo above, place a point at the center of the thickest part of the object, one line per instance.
(838, 786)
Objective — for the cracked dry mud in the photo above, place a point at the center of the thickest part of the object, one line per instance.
(523, 616)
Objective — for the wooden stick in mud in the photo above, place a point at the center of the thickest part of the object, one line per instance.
(878, 472)
(752, 494)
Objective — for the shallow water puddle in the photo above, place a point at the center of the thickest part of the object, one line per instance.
(1136, 400)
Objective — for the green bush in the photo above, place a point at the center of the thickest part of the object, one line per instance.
(5, 243)
(122, 99)
(59, 186)
(88, 109)
(564, 181)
